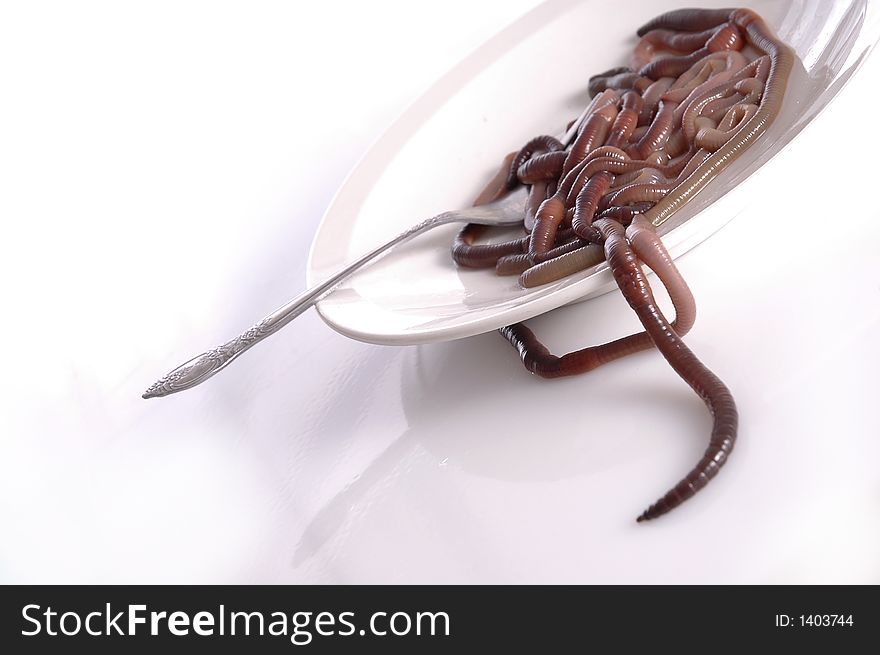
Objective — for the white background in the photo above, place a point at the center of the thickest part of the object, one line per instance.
(163, 167)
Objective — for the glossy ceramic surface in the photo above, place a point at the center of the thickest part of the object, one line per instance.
(522, 82)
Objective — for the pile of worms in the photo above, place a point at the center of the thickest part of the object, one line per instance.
(702, 86)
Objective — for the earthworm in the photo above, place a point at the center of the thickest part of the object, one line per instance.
(611, 72)
(751, 88)
(634, 285)
(620, 181)
(636, 192)
(715, 109)
(645, 175)
(730, 65)
(537, 195)
(573, 262)
(713, 138)
(672, 66)
(552, 211)
(781, 63)
(497, 186)
(598, 160)
(659, 184)
(650, 250)
(678, 41)
(588, 202)
(687, 20)
(539, 360)
(547, 220)
(625, 166)
(621, 81)
(704, 85)
(609, 164)
(638, 132)
(727, 37)
(588, 198)
(625, 122)
(465, 253)
(512, 264)
(658, 133)
(693, 109)
(594, 129)
(516, 264)
(651, 98)
(642, 54)
(535, 146)
(625, 214)
(542, 167)
(702, 71)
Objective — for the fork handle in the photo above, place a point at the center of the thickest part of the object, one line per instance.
(200, 368)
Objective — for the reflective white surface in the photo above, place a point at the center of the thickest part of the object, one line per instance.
(164, 171)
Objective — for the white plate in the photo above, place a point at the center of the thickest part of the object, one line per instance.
(531, 79)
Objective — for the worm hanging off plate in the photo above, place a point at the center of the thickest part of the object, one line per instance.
(703, 86)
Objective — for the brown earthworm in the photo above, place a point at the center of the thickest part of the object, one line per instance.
(598, 160)
(621, 81)
(672, 66)
(647, 187)
(645, 175)
(542, 167)
(588, 198)
(594, 130)
(610, 73)
(625, 122)
(547, 220)
(512, 264)
(465, 253)
(539, 360)
(711, 139)
(636, 192)
(625, 214)
(620, 181)
(638, 133)
(695, 108)
(643, 150)
(725, 66)
(539, 144)
(537, 195)
(715, 109)
(683, 42)
(517, 264)
(497, 186)
(642, 54)
(676, 145)
(624, 167)
(552, 211)
(588, 202)
(781, 63)
(573, 262)
(750, 88)
(726, 37)
(697, 74)
(632, 282)
(687, 20)
(658, 133)
(651, 98)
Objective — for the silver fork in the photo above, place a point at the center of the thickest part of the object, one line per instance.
(506, 211)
